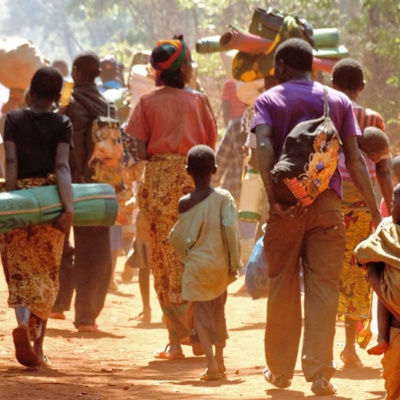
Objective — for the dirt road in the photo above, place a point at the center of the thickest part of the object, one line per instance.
(118, 363)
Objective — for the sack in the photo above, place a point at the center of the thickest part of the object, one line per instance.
(19, 60)
(308, 160)
(273, 25)
(256, 273)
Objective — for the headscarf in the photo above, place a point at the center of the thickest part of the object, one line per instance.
(178, 53)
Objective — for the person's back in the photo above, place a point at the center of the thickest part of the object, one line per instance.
(355, 295)
(92, 244)
(303, 231)
(206, 239)
(208, 230)
(37, 144)
(87, 105)
(154, 119)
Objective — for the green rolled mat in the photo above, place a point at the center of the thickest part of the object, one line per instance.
(95, 204)
(326, 37)
(331, 52)
(209, 45)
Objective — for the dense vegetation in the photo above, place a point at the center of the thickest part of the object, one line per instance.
(62, 28)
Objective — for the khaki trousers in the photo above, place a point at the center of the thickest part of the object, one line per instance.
(317, 238)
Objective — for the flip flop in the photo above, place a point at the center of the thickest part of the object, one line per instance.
(166, 355)
(207, 376)
(23, 349)
(46, 363)
(88, 328)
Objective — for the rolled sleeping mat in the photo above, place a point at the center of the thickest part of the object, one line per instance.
(331, 52)
(326, 37)
(209, 44)
(95, 204)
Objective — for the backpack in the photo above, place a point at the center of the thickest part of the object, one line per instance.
(273, 25)
(106, 158)
(308, 160)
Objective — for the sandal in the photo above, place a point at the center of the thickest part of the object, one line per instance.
(24, 351)
(88, 328)
(46, 363)
(165, 354)
(207, 376)
(322, 387)
(277, 380)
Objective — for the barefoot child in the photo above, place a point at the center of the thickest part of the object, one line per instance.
(381, 253)
(207, 240)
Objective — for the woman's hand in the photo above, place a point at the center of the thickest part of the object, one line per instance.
(64, 222)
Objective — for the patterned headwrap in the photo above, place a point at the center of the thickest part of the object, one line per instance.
(178, 53)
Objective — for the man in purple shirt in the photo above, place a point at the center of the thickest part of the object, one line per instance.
(314, 234)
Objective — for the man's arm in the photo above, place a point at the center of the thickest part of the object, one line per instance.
(358, 171)
(265, 156)
(385, 181)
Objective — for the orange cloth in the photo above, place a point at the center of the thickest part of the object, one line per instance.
(391, 366)
(173, 120)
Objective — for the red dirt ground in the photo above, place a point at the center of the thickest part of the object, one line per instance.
(118, 363)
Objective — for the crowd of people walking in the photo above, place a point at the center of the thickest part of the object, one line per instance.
(192, 242)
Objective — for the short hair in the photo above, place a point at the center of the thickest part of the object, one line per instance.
(348, 74)
(296, 53)
(88, 64)
(373, 139)
(396, 167)
(47, 83)
(200, 160)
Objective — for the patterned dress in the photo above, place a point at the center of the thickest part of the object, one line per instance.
(31, 260)
(355, 292)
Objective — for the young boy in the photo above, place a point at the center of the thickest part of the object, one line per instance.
(206, 238)
(381, 253)
(374, 143)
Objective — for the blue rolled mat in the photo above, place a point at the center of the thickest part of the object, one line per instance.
(95, 204)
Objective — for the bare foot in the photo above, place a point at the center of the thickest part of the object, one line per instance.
(351, 359)
(144, 316)
(379, 348)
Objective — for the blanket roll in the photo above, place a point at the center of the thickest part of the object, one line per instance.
(95, 204)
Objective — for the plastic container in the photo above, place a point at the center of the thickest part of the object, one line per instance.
(250, 197)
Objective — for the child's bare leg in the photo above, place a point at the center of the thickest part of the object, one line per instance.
(219, 358)
(384, 322)
(38, 343)
(207, 344)
(144, 285)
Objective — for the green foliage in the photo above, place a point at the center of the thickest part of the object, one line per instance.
(62, 28)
